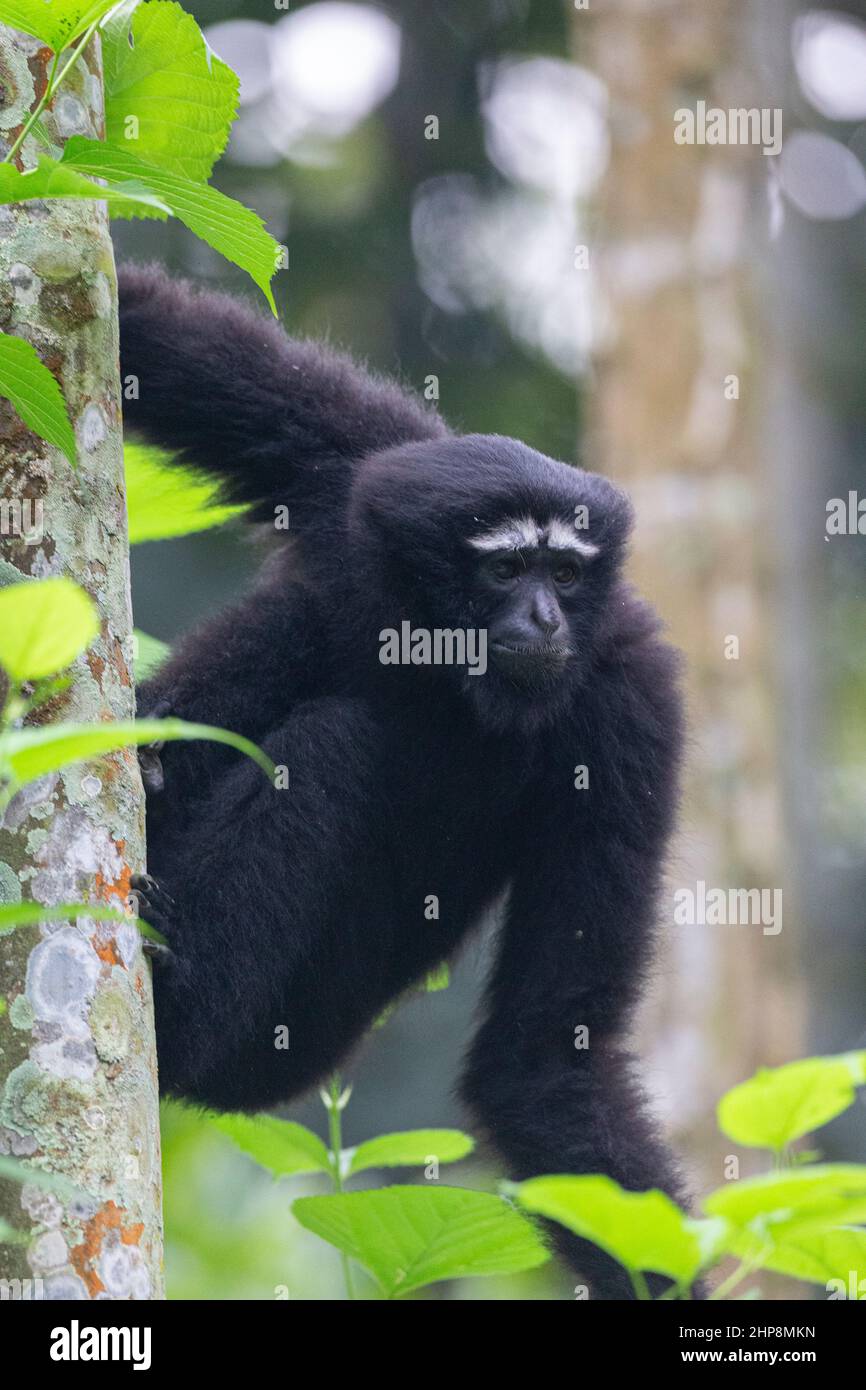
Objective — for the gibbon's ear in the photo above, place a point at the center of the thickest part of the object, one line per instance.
(280, 421)
(606, 510)
(401, 511)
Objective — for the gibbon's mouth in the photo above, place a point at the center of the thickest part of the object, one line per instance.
(545, 654)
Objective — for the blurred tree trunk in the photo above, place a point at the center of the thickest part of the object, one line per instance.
(676, 418)
(78, 1086)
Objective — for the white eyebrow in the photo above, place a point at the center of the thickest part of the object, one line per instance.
(562, 536)
(520, 534)
(523, 533)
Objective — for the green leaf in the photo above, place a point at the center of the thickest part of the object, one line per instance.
(53, 179)
(777, 1206)
(16, 1171)
(778, 1105)
(642, 1230)
(150, 654)
(410, 1149)
(28, 384)
(29, 753)
(411, 1236)
(437, 979)
(227, 226)
(164, 500)
(58, 23)
(179, 98)
(39, 130)
(46, 690)
(9, 1235)
(281, 1146)
(43, 627)
(13, 915)
(27, 914)
(817, 1256)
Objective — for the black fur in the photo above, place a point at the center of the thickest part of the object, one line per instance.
(306, 907)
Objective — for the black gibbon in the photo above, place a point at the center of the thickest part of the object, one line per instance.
(420, 790)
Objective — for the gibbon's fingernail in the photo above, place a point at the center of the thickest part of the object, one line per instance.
(159, 954)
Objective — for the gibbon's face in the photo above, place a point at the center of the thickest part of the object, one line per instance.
(531, 579)
(480, 534)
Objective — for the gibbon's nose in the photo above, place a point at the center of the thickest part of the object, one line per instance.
(546, 614)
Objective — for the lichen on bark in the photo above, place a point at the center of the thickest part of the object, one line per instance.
(78, 1084)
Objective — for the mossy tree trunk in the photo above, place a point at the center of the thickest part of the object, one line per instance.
(78, 1085)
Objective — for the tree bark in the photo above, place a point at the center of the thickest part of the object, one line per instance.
(677, 228)
(79, 1095)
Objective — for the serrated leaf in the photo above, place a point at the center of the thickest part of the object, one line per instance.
(414, 1147)
(227, 226)
(164, 500)
(281, 1146)
(642, 1230)
(150, 653)
(33, 391)
(26, 754)
(58, 23)
(52, 179)
(44, 625)
(166, 87)
(780, 1104)
(408, 1237)
(776, 1207)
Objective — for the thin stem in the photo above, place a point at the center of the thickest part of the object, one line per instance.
(640, 1284)
(740, 1273)
(55, 81)
(40, 106)
(675, 1291)
(335, 1136)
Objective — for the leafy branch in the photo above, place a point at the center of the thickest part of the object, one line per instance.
(170, 98)
(55, 82)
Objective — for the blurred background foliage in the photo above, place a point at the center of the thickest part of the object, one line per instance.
(454, 257)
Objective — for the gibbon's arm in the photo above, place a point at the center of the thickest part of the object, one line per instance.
(222, 387)
(575, 947)
(261, 894)
(245, 667)
(244, 670)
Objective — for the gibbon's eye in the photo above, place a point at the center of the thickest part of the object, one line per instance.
(505, 569)
(565, 574)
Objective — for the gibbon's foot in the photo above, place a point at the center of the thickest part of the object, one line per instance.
(150, 766)
(149, 761)
(159, 954)
(154, 904)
